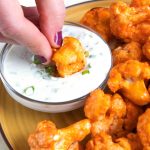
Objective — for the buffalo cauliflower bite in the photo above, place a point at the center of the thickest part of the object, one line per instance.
(111, 114)
(105, 142)
(105, 112)
(126, 52)
(97, 104)
(129, 77)
(99, 20)
(139, 3)
(132, 114)
(146, 49)
(130, 23)
(117, 119)
(121, 127)
(70, 58)
(143, 129)
(48, 137)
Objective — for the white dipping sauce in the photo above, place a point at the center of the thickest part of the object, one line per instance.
(32, 81)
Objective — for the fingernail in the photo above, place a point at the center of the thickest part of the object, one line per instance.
(39, 60)
(58, 38)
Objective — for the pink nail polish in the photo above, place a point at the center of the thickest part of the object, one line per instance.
(58, 38)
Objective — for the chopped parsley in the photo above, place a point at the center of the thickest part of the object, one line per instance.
(92, 56)
(86, 53)
(36, 60)
(51, 70)
(89, 65)
(85, 72)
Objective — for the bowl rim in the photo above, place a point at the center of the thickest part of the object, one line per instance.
(7, 46)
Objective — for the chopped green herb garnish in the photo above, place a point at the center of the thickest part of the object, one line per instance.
(86, 53)
(36, 60)
(85, 72)
(89, 65)
(50, 70)
(92, 56)
(29, 88)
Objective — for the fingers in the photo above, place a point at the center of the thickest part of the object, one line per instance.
(31, 13)
(30, 36)
(15, 26)
(51, 16)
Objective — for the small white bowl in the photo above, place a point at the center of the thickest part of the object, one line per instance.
(15, 66)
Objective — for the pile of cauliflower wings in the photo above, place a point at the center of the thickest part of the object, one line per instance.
(119, 118)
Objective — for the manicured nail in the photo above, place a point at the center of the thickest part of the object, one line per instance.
(58, 38)
(39, 60)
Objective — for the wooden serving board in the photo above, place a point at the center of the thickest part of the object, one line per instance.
(17, 121)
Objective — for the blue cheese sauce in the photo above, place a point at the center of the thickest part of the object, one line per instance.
(33, 81)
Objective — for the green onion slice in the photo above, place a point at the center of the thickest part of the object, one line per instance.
(50, 69)
(36, 60)
(85, 72)
(89, 65)
(29, 88)
(86, 53)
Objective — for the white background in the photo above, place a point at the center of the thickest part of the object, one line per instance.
(32, 3)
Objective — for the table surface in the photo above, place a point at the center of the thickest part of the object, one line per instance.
(3, 146)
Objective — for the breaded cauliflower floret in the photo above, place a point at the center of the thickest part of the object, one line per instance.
(143, 129)
(130, 23)
(146, 49)
(139, 3)
(99, 20)
(70, 58)
(48, 137)
(126, 52)
(129, 77)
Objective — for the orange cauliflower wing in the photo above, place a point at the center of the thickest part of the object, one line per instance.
(143, 129)
(130, 23)
(105, 142)
(97, 104)
(70, 58)
(129, 77)
(111, 114)
(132, 114)
(99, 20)
(126, 52)
(48, 137)
(138, 3)
(146, 49)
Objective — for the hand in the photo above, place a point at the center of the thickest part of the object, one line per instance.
(37, 28)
